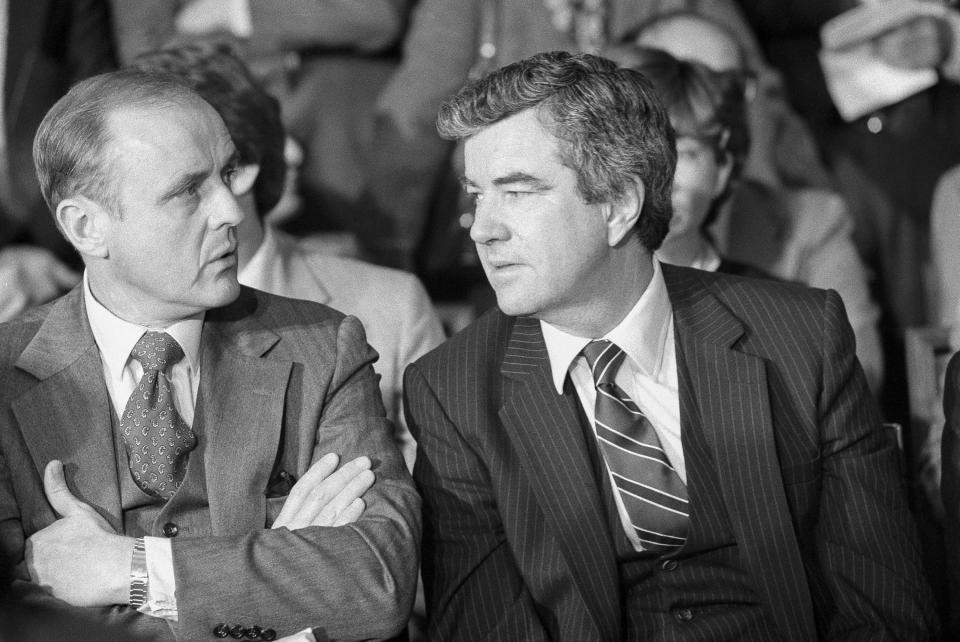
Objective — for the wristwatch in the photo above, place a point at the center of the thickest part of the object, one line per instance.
(139, 579)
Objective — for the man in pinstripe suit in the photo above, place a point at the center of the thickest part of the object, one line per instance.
(793, 521)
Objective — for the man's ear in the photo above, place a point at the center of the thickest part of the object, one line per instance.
(244, 179)
(86, 225)
(622, 214)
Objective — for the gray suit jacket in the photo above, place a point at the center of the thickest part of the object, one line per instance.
(283, 382)
(516, 543)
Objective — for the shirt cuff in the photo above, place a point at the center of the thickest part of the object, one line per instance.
(161, 589)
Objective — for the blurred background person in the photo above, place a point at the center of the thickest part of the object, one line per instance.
(794, 232)
(45, 46)
(887, 161)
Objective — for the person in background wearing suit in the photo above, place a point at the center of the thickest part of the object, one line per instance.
(626, 449)
(181, 455)
(397, 315)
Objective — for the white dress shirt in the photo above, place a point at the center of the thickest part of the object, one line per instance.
(648, 374)
(115, 339)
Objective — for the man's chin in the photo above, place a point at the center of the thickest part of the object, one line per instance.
(514, 306)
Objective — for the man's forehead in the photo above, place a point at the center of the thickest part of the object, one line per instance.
(171, 125)
(518, 143)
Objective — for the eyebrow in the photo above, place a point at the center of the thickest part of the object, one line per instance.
(182, 183)
(195, 177)
(513, 178)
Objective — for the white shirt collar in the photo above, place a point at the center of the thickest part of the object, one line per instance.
(642, 334)
(116, 337)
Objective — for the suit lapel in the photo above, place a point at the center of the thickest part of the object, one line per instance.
(728, 389)
(66, 416)
(243, 399)
(556, 463)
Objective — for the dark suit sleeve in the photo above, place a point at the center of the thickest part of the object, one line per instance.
(950, 483)
(866, 540)
(473, 588)
(356, 581)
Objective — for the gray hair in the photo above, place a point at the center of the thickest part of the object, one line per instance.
(611, 126)
(70, 150)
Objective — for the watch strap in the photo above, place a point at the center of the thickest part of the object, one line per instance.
(139, 579)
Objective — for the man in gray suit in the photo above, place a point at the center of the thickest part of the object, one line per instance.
(179, 455)
(630, 450)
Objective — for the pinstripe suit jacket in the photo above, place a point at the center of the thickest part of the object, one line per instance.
(516, 543)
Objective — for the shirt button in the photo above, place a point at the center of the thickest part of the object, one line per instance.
(683, 615)
(670, 565)
(170, 529)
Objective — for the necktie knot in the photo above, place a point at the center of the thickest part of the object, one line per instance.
(604, 358)
(156, 351)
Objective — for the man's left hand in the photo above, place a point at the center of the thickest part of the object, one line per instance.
(79, 557)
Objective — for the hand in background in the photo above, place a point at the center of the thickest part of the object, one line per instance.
(204, 17)
(325, 496)
(922, 43)
(30, 276)
(79, 558)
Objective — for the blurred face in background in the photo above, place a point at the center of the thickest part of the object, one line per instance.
(697, 39)
(701, 175)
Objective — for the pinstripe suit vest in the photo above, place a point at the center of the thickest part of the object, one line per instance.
(700, 592)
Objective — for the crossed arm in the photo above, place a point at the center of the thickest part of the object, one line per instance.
(342, 553)
(81, 560)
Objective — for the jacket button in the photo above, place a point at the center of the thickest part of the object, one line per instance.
(237, 632)
(683, 615)
(670, 565)
(268, 634)
(221, 630)
(253, 633)
(170, 529)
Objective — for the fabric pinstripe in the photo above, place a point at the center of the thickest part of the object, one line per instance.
(652, 492)
(516, 545)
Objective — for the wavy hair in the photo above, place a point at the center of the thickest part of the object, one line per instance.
(611, 126)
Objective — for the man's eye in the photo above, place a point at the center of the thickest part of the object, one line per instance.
(514, 194)
(191, 190)
(228, 175)
(474, 197)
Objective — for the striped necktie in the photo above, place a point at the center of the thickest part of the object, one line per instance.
(652, 492)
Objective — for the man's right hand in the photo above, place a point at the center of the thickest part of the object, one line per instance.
(326, 496)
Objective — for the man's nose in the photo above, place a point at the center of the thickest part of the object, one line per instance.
(227, 209)
(487, 226)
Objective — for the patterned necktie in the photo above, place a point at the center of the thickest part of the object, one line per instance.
(651, 490)
(157, 439)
